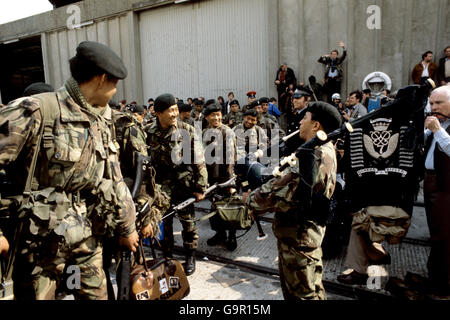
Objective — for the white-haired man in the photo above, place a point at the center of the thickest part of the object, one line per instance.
(437, 190)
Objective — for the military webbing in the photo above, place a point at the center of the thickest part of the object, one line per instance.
(49, 112)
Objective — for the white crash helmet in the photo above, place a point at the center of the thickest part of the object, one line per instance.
(336, 96)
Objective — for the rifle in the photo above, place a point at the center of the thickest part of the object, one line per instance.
(227, 184)
(142, 165)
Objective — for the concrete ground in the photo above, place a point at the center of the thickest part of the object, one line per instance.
(216, 281)
(225, 281)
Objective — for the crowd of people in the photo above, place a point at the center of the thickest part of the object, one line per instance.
(79, 190)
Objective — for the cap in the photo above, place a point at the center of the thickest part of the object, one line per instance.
(103, 57)
(212, 108)
(336, 96)
(164, 101)
(234, 102)
(326, 114)
(251, 94)
(37, 87)
(300, 93)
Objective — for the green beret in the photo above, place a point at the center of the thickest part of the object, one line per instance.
(326, 114)
(264, 100)
(251, 112)
(183, 107)
(212, 108)
(103, 57)
(164, 102)
(198, 102)
(254, 104)
(139, 109)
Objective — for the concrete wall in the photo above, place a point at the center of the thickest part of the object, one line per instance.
(298, 32)
(311, 28)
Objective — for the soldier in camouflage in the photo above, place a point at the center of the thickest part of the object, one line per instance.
(197, 111)
(185, 113)
(271, 128)
(299, 234)
(177, 156)
(220, 155)
(78, 195)
(234, 117)
(249, 136)
(265, 110)
(150, 113)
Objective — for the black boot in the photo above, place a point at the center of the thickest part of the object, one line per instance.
(219, 238)
(231, 242)
(189, 265)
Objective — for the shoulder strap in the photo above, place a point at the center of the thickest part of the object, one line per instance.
(49, 110)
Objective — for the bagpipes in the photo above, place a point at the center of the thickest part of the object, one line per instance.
(409, 103)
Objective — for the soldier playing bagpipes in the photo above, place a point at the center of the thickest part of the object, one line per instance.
(300, 200)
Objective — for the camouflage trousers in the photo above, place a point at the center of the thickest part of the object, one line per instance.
(300, 261)
(190, 230)
(38, 276)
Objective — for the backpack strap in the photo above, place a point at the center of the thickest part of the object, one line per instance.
(49, 109)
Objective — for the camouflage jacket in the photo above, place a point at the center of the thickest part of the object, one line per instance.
(271, 117)
(232, 119)
(220, 153)
(249, 140)
(78, 188)
(270, 127)
(196, 115)
(278, 195)
(131, 138)
(177, 156)
(189, 121)
(148, 119)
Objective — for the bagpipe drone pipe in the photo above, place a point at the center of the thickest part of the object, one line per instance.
(380, 150)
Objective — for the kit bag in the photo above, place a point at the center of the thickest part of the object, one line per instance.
(158, 278)
(234, 213)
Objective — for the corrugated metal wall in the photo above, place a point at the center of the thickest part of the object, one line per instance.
(60, 46)
(206, 49)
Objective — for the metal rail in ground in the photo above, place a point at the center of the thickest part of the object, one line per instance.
(353, 292)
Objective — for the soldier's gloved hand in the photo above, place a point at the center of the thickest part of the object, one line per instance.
(4, 246)
(199, 196)
(131, 242)
(147, 231)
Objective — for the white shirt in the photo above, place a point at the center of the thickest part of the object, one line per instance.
(333, 74)
(425, 70)
(441, 137)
